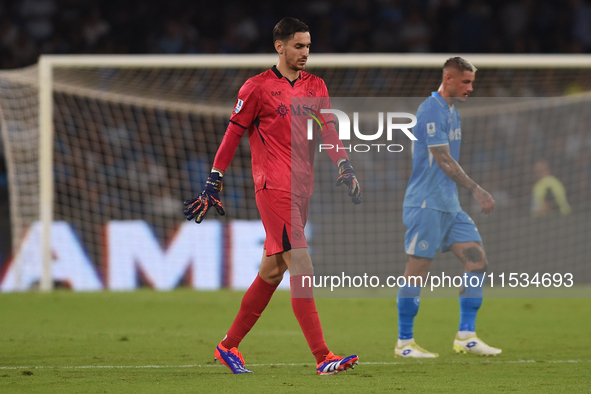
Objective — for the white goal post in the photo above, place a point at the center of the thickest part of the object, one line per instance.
(48, 63)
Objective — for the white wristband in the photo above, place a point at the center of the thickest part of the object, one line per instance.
(342, 159)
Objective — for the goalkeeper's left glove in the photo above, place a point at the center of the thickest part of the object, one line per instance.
(198, 206)
(347, 176)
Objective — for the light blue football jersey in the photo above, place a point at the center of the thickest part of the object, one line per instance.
(428, 186)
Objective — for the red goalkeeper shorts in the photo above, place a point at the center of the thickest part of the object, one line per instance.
(284, 217)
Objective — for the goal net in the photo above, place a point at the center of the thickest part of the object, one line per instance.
(96, 192)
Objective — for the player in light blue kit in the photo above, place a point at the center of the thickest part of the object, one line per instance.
(433, 216)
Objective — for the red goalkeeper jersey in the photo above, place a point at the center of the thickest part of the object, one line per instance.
(282, 155)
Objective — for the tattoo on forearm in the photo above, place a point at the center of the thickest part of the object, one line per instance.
(452, 169)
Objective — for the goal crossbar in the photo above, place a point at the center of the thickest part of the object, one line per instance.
(316, 60)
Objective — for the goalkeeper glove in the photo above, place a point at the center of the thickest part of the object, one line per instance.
(347, 176)
(198, 206)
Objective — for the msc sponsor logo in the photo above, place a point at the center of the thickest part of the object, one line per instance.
(455, 134)
(282, 110)
(305, 109)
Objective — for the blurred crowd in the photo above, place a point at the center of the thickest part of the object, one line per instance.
(32, 27)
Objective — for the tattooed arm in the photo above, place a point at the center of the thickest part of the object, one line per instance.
(453, 170)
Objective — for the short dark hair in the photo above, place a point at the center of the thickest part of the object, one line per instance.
(459, 64)
(287, 27)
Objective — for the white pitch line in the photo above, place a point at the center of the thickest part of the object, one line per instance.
(294, 364)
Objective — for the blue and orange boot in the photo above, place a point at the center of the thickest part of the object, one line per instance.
(334, 364)
(231, 358)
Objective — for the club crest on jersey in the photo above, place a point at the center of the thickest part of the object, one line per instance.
(311, 93)
(431, 129)
(238, 106)
(282, 110)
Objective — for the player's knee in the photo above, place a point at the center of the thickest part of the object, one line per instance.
(273, 275)
(273, 278)
(474, 255)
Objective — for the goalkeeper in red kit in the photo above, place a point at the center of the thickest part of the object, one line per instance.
(278, 155)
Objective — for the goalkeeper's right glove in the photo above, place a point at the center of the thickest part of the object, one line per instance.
(198, 206)
(347, 176)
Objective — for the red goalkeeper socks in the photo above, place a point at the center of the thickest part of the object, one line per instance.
(305, 311)
(254, 302)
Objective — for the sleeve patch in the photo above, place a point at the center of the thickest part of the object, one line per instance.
(238, 106)
(431, 129)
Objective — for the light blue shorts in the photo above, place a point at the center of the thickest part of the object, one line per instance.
(428, 230)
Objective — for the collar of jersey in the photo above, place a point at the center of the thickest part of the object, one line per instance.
(437, 95)
(279, 75)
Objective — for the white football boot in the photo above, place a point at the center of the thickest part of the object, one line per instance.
(474, 345)
(412, 350)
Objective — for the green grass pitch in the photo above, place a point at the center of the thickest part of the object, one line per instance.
(163, 342)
